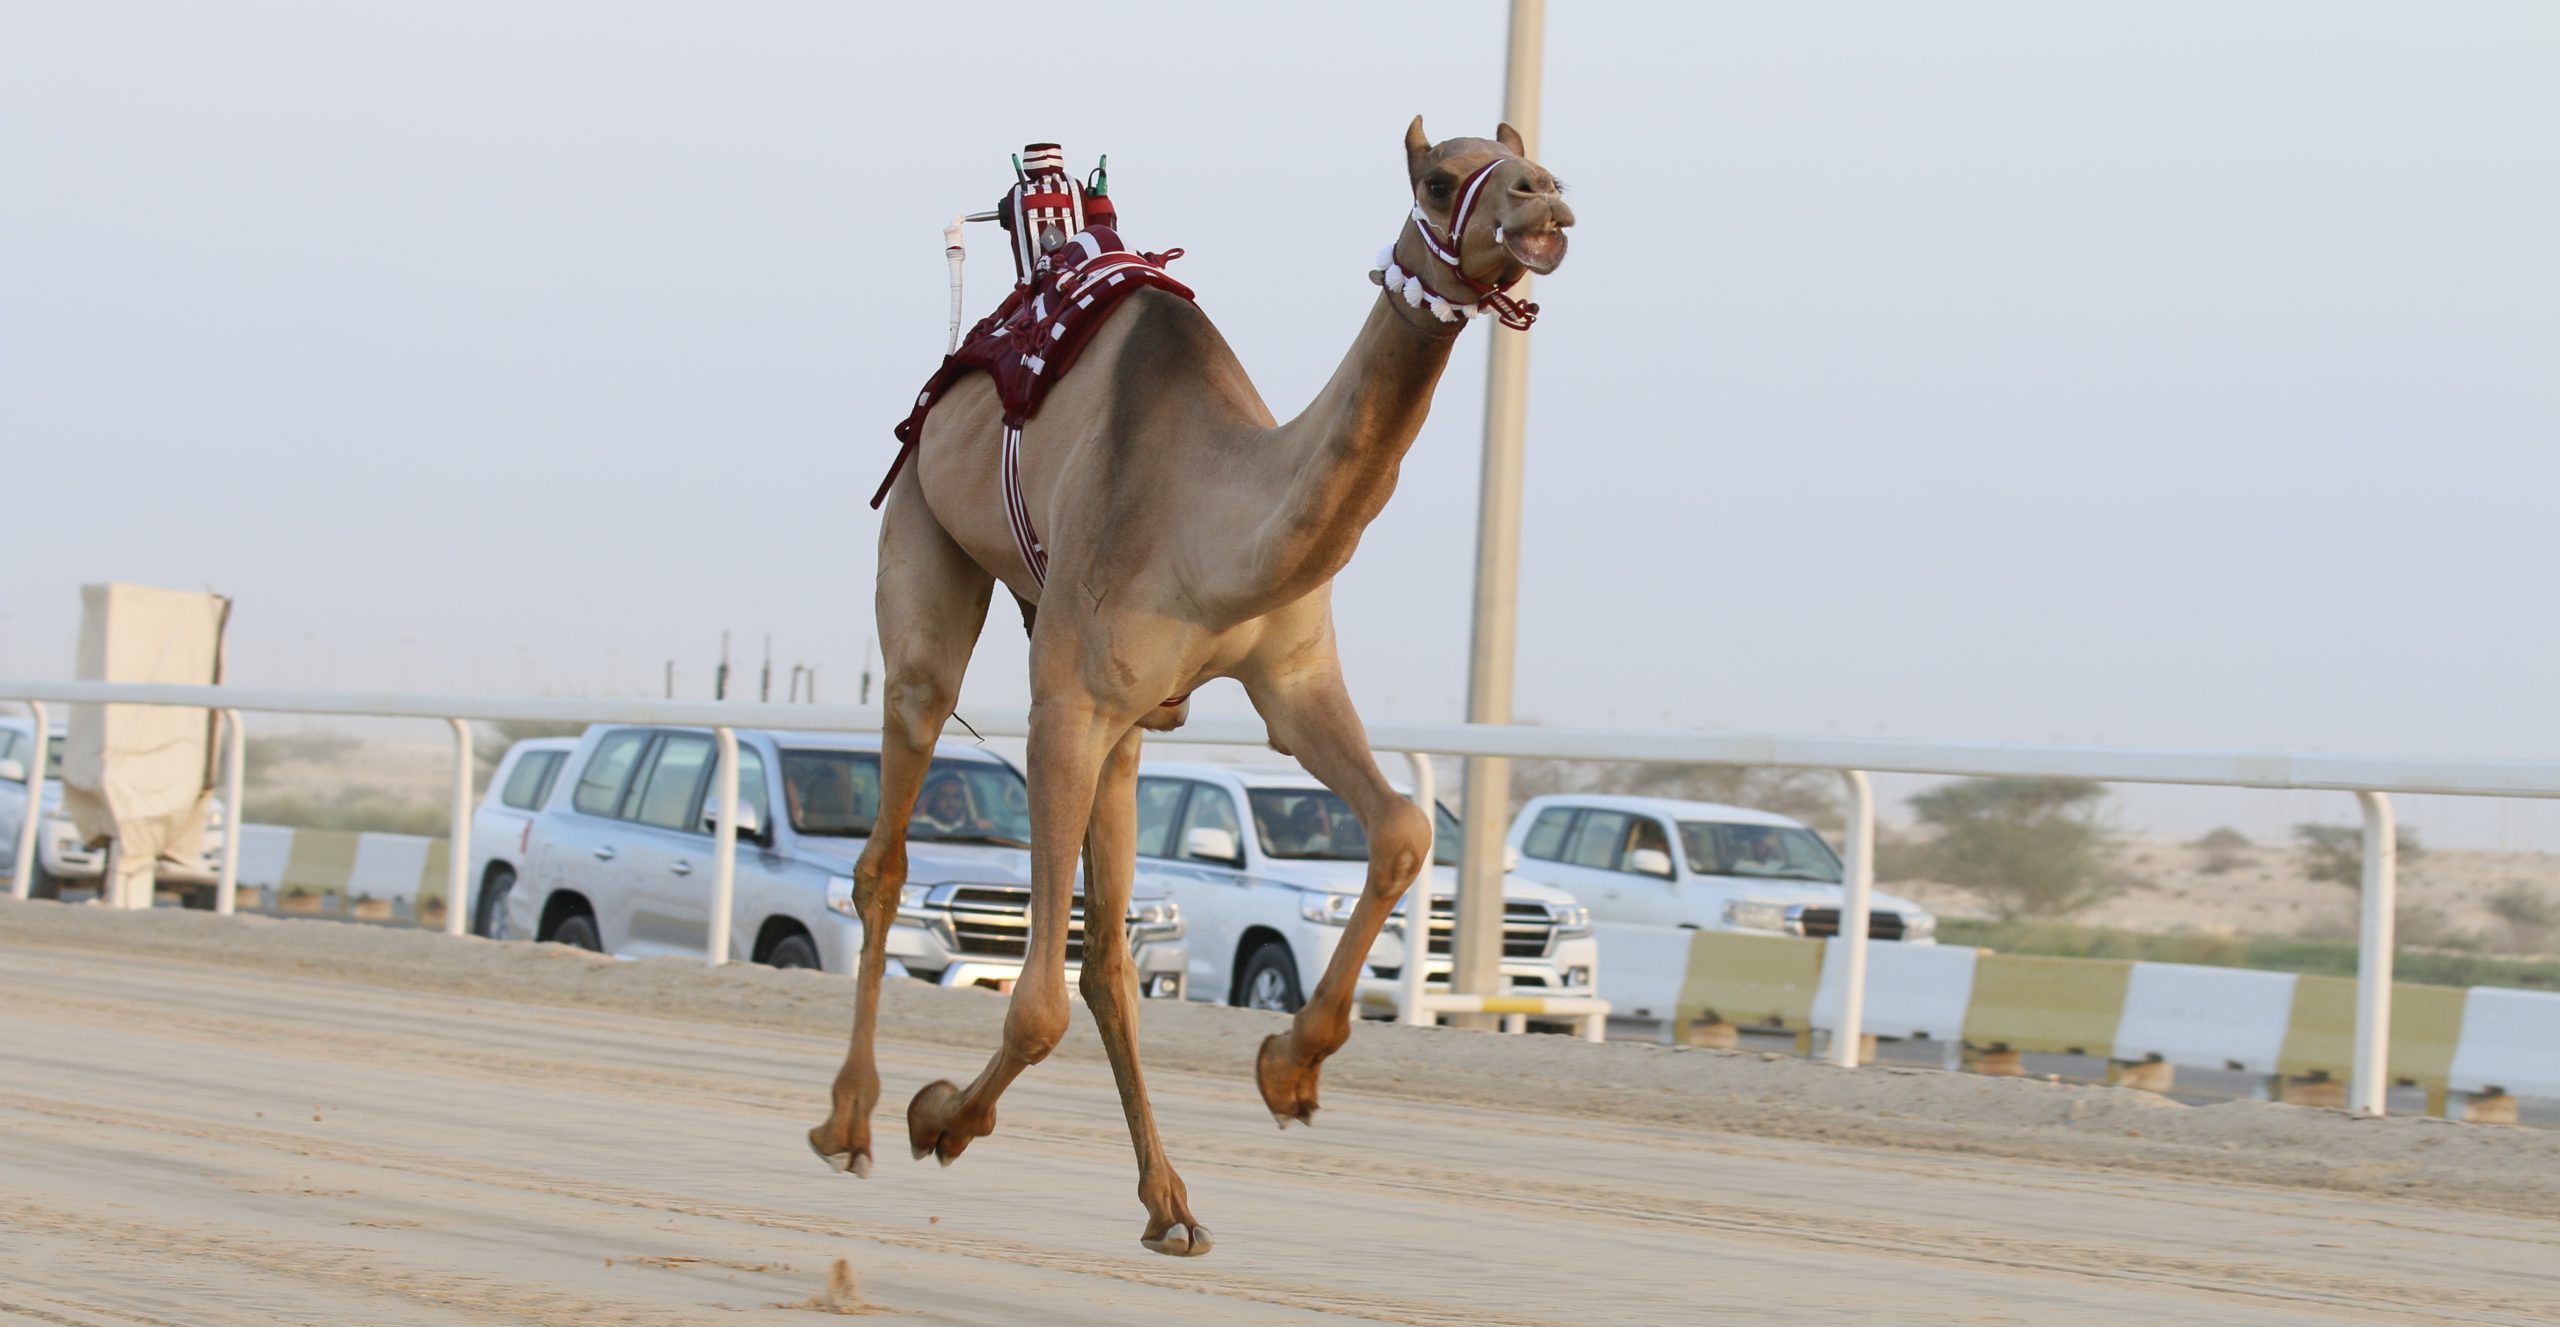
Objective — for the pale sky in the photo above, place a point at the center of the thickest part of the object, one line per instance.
(2162, 374)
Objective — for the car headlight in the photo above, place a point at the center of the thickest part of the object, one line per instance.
(840, 895)
(1163, 912)
(1755, 915)
(1920, 926)
(1328, 909)
(1570, 919)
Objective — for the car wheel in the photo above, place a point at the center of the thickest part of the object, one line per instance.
(1270, 981)
(792, 951)
(490, 910)
(578, 931)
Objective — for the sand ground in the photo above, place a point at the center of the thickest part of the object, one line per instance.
(214, 1121)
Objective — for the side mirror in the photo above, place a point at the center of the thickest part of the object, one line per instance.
(13, 771)
(1510, 857)
(1212, 844)
(750, 824)
(1650, 861)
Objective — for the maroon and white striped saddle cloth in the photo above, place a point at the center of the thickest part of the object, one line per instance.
(1032, 340)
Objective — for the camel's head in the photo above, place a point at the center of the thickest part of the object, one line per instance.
(1515, 220)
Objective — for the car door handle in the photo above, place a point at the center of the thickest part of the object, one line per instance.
(604, 854)
(682, 867)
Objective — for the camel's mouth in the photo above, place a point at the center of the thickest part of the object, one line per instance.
(1540, 250)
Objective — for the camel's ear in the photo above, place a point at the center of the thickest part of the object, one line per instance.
(1510, 138)
(1417, 150)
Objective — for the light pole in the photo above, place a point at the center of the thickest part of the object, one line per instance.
(1476, 942)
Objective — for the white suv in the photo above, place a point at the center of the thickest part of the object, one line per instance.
(1652, 861)
(502, 829)
(1265, 908)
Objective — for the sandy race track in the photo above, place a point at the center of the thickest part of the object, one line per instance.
(235, 1121)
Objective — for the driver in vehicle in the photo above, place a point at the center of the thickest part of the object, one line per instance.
(1759, 855)
(945, 808)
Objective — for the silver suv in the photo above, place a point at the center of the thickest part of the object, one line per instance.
(618, 859)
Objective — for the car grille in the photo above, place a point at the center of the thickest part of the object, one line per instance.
(994, 921)
(1821, 922)
(1528, 930)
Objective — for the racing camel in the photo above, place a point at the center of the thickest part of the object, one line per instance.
(1191, 536)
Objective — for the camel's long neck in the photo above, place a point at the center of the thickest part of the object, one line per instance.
(1344, 450)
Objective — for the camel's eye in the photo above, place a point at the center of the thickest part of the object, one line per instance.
(1438, 187)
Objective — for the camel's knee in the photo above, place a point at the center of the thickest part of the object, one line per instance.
(1397, 845)
(1108, 978)
(1033, 1028)
(879, 874)
(919, 704)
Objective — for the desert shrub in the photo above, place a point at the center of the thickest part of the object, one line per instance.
(2335, 853)
(2025, 847)
(311, 746)
(2224, 850)
(357, 808)
(2532, 916)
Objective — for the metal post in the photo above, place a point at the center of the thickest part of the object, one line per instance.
(457, 867)
(1417, 906)
(2374, 942)
(1859, 864)
(226, 886)
(22, 876)
(1476, 942)
(724, 850)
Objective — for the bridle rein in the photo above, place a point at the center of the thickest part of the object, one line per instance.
(1443, 248)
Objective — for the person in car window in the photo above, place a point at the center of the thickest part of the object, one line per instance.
(1307, 831)
(945, 808)
(1759, 854)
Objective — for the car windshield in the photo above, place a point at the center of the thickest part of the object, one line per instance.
(836, 794)
(1783, 852)
(1311, 824)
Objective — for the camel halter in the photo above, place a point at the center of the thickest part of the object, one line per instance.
(1443, 246)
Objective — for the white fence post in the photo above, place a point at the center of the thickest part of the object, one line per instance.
(226, 887)
(22, 876)
(457, 879)
(1860, 840)
(2374, 943)
(1417, 908)
(724, 851)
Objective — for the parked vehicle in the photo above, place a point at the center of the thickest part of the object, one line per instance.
(61, 857)
(1266, 905)
(503, 825)
(1658, 862)
(619, 859)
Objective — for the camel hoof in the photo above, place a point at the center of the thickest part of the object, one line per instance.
(1288, 1090)
(857, 1162)
(927, 1116)
(1180, 1241)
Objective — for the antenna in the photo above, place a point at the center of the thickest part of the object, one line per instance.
(720, 679)
(764, 690)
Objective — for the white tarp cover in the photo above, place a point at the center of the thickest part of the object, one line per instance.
(142, 774)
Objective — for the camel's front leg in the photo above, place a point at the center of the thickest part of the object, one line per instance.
(931, 602)
(1067, 746)
(1110, 984)
(1310, 716)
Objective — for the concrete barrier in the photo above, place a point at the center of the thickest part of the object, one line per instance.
(2510, 1043)
(2179, 1013)
(1912, 990)
(331, 870)
(2426, 1029)
(1642, 971)
(2029, 1002)
(1749, 980)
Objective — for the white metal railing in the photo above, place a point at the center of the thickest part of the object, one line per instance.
(2370, 778)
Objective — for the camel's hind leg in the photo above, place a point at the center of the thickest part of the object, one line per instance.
(1310, 716)
(1110, 984)
(931, 602)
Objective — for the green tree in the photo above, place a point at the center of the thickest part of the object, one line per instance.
(2025, 847)
(2335, 853)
